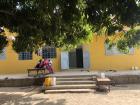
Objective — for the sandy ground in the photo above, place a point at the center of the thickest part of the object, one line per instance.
(119, 95)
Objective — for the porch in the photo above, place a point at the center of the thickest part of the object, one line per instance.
(75, 73)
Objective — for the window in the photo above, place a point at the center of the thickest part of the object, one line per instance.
(49, 52)
(114, 50)
(3, 54)
(25, 55)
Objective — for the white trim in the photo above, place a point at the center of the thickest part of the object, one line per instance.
(114, 51)
(64, 60)
(3, 54)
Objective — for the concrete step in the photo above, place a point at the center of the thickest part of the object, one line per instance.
(70, 91)
(75, 82)
(75, 78)
(80, 86)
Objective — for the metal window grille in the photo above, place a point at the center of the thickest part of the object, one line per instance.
(49, 52)
(25, 56)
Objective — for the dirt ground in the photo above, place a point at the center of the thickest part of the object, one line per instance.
(119, 95)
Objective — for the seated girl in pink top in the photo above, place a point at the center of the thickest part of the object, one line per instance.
(47, 65)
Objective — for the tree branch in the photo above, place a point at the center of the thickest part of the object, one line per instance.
(6, 12)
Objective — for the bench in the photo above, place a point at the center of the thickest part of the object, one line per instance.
(37, 70)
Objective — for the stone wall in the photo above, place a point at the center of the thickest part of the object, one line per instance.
(117, 79)
(21, 82)
(126, 79)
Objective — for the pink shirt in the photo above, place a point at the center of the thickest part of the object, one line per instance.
(45, 62)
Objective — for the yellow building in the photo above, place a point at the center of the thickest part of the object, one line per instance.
(93, 56)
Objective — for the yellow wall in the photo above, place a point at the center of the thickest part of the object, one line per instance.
(98, 59)
(12, 65)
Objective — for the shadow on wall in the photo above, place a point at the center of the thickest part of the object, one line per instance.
(18, 99)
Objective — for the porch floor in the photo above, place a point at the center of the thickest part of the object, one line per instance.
(74, 73)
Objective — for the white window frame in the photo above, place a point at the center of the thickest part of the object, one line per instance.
(114, 51)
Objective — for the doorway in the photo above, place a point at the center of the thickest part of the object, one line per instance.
(76, 58)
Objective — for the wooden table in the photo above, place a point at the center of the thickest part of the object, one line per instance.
(100, 82)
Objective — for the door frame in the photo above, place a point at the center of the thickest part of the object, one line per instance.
(86, 60)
